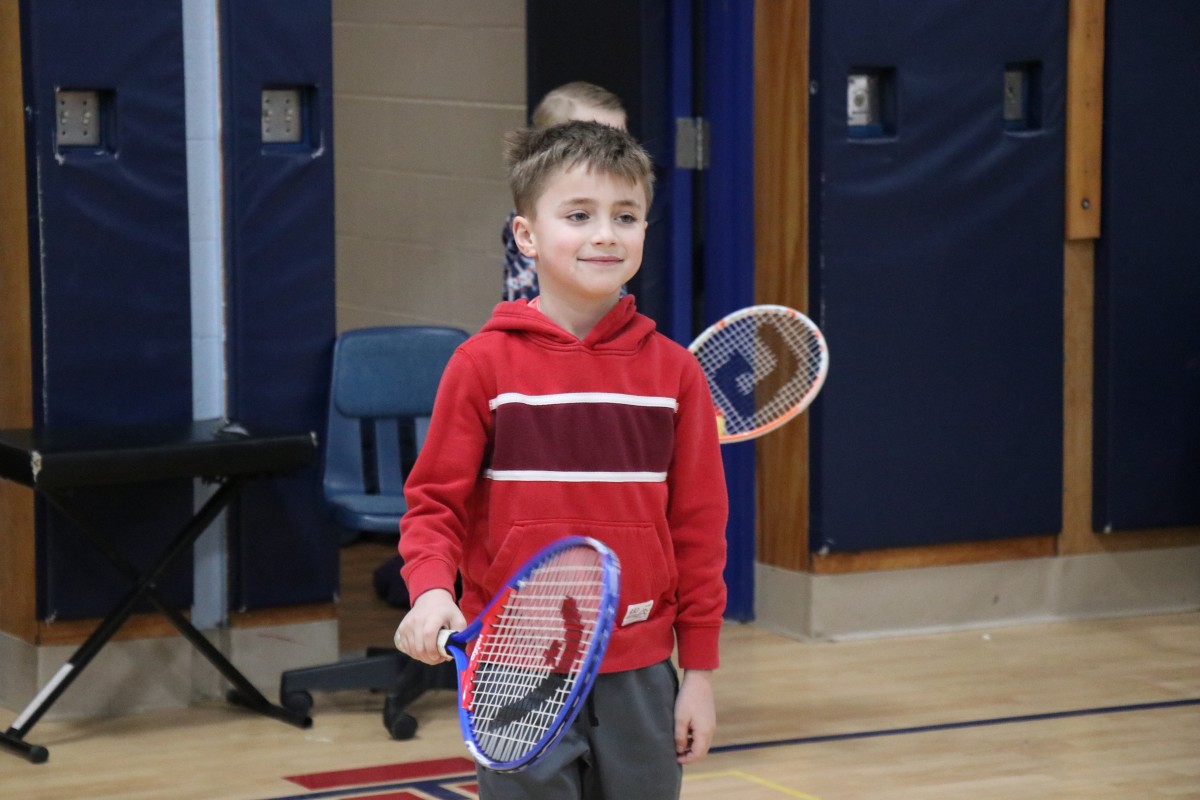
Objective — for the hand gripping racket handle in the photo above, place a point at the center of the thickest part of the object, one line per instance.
(443, 638)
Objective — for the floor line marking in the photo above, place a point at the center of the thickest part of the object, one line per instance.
(737, 773)
(950, 726)
(834, 737)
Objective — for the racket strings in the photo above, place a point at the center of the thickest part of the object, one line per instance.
(760, 368)
(530, 658)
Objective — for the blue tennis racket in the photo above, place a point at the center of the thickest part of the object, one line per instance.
(527, 663)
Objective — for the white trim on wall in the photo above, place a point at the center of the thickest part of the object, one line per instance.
(202, 98)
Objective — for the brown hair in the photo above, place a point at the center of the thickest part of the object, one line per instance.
(534, 155)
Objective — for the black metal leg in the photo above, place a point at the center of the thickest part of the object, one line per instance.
(145, 587)
(244, 693)
(34, 752)
(68, 672)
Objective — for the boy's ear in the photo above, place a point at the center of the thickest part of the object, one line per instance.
(523, 236)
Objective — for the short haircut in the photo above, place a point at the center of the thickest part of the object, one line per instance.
(562, 104)
(534, 155)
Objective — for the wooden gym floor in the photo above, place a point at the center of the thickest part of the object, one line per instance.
(1090, 709)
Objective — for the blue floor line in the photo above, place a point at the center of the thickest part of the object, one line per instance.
(950, 726)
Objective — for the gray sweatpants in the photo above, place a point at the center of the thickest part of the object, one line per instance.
(620, 747)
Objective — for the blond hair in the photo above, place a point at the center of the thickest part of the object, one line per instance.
(534, 155)
(564, 103)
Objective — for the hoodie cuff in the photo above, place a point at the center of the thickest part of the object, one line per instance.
(699, 648)
(432, 574)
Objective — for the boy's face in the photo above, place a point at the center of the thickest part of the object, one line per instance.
(586, 234)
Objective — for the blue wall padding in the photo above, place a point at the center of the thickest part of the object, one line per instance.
(1147, 378)
(936, 269)
(728, 250)
(280, 268)
(110, 272)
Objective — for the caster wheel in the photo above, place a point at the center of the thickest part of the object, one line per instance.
(399, 723)
(298, 702)
(402, 727)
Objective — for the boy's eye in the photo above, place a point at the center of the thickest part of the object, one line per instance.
(577, 216)
(627, 219)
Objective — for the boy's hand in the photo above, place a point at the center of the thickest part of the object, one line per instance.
(695, 716)
(418, 631)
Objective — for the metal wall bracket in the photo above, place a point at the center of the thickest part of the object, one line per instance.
(283, 115)
(691, 143)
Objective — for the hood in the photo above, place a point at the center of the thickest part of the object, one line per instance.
(621, 330)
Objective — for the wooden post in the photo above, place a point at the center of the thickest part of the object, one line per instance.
(781, 269)
(18, 589)
(1085, 121)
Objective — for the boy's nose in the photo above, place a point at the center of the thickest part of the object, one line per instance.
(605, 231)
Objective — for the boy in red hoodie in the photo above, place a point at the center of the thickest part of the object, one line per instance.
(571, 415)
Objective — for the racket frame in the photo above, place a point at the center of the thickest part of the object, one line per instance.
(767, 309)
(454, 645)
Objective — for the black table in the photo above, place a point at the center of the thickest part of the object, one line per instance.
(56, 462)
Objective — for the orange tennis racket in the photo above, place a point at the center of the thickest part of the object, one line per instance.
(765, 364)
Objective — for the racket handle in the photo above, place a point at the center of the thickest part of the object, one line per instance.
(443, 638)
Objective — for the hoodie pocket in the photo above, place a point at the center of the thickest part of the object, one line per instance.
(524, 539)
(647, 580)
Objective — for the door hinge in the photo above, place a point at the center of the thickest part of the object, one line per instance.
(691, 143)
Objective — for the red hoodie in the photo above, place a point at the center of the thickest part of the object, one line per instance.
(537, 435)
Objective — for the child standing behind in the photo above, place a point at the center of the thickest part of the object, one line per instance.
(571, 415)
(576, 100)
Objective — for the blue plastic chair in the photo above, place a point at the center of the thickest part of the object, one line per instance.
(384, 381)
(383, 386)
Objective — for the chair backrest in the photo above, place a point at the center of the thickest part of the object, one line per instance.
(383, 379)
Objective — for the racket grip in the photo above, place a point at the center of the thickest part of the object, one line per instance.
(443, 637)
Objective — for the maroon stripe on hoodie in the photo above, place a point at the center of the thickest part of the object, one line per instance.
(583, 437)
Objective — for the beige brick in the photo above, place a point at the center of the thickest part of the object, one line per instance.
(423, 94)
(480, 13)
(463, 64)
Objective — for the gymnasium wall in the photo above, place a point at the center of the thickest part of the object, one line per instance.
(424, 97)
(279, 290)
(1102, 309)
(109, 299)
(935, 271)
(110, 306)
(423, 94)
(1147, 379)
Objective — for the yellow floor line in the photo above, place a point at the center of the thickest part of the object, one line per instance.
(753, 779)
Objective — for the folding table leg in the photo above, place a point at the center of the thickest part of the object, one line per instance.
(244, 694)
(67, 673)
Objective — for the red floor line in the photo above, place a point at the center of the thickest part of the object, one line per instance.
(385, 773)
